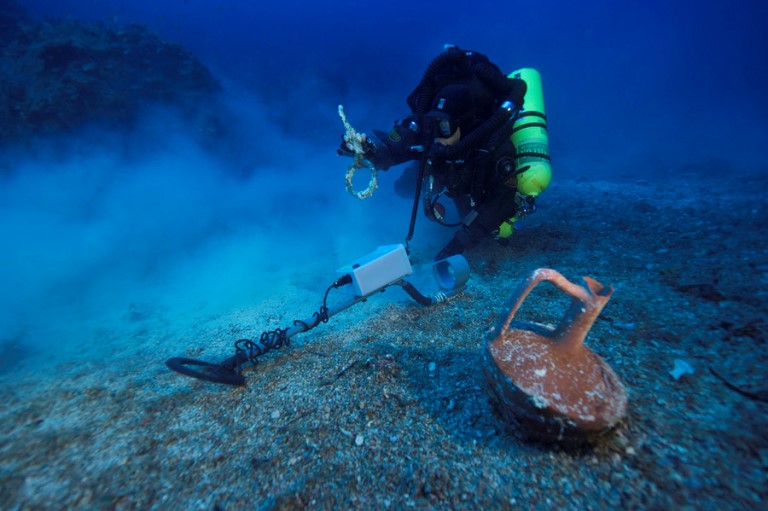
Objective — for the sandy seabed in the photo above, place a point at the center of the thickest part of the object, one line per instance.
(386, 406)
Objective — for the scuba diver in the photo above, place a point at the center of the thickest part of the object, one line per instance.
(463, 114)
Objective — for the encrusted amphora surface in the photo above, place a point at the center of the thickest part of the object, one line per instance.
(545, 378)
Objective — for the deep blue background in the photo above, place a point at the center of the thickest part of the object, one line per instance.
(654, 83)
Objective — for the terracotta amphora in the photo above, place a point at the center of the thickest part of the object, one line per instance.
(545, 378)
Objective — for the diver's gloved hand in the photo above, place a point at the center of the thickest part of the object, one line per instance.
(437, 153)
(345, 148)
(465, 238)
(455, 246)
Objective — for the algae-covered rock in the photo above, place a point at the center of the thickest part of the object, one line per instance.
(60, 75)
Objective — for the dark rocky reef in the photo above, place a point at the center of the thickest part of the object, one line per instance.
(61, 75)
(11, 17)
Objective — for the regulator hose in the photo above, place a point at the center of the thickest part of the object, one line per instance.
(420, 100)
(494, 79)
(475, 139)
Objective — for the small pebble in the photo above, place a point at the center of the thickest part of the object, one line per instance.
(359, 440)
(432, 366)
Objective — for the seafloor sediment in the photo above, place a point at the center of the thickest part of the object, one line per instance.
(385, 407)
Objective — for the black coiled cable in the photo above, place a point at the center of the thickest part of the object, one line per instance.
(247, 350)
(229, 371)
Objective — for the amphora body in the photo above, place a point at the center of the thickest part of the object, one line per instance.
(545, 378)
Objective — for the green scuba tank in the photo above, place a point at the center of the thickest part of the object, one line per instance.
(533, 172)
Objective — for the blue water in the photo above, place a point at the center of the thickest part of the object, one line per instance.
(95, 226)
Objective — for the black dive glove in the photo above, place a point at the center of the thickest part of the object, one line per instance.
(464, 238)
(343, 149)
(455, 246)
(369, 148)
(437, 152)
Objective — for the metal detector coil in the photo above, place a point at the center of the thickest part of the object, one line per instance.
(384, 267)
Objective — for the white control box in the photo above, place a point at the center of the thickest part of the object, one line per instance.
(387, 264)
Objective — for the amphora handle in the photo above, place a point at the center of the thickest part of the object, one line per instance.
(588, 300)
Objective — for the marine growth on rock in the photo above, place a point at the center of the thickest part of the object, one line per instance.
(60, 75)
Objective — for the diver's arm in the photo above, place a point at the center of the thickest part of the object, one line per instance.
(386, 150)
(481, 222)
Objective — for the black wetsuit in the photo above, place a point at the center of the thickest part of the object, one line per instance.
(477, 183)
(460, 88)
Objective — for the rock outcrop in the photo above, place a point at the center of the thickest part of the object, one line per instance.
(60, 75)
